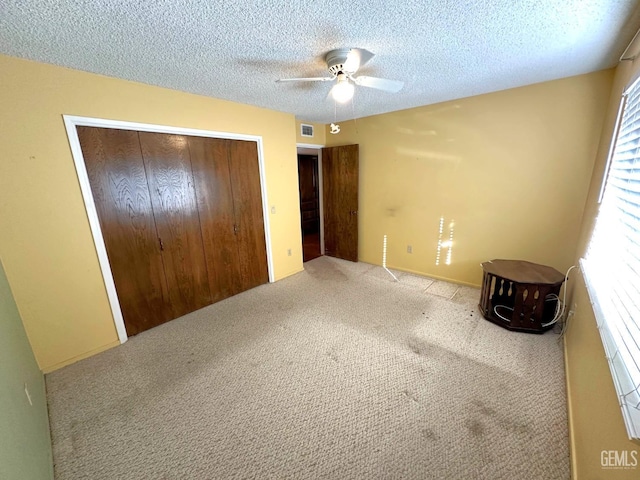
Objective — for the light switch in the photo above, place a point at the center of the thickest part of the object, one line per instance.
(273, 209)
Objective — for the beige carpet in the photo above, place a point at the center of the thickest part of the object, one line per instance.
(337, 372)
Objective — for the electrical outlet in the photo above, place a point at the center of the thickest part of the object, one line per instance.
(409, 249)
(289, 251)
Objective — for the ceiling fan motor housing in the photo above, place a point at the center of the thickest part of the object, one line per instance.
(343, 63)
(336, 59)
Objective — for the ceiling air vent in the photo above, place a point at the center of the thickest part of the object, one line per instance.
(306, 130)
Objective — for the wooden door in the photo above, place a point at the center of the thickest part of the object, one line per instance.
(210, 164)
(340, 201)
(247, 204)
(123, 203)
(308, 186)
(171, 185)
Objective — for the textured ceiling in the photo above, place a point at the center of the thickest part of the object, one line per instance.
(235, 50)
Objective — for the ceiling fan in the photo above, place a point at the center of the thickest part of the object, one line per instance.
(343, 63)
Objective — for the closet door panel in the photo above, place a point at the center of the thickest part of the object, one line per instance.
(168, 167)
(121, 196)
(210, 164)
(247, 201)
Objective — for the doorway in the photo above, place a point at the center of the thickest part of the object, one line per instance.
(328, 184)
(309, 185)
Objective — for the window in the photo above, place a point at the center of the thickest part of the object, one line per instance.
(612, 262)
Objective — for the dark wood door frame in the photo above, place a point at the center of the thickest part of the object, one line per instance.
(71, 123)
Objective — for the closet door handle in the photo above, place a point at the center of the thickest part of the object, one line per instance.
(235, 229)
(161, 244)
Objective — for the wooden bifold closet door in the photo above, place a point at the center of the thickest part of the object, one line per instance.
(181, 219)
(121, 195)
(173, 199)
(227, 180)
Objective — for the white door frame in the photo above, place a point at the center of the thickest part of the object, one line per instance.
(71, 122)
(311, 149)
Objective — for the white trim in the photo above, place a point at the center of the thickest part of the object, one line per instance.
(630, 415)
(71, 122)
(312, 146)
(265, 209)
(318, 151)
(633, 44)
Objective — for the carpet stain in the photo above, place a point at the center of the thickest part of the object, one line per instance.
(410, 395)
(285, 305)
(433, 351)
(418, 347)
(516, 427)
(332, 355)
(76, 438)
(476, 428)
(429, 434)
(485, 410)
(505, 422)
(327, 271)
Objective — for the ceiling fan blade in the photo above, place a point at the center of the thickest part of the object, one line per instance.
(356, 58)
(307, 79)
(387, 85)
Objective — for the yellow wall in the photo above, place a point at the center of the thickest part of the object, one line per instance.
(45, 241)
(595, 418)
(319, 133)
(510, 169)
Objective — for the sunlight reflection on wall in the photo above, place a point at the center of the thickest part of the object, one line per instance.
(445, 246)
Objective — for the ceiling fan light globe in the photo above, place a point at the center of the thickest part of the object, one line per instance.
(342, 92)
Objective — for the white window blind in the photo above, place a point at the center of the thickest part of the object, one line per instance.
(612, 262)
